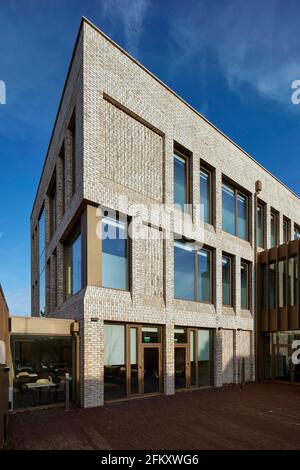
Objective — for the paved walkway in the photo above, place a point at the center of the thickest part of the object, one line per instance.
(259, 416)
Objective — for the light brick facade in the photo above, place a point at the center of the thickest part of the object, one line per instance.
(126, 124)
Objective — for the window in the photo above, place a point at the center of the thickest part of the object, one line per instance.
(274, 228)
(72, 129)
(42, 261)
(62, 167)
(263, 291)
(234, 212)
(272, 286)
(114, 253)
(260, 225)
(286, 230)
(181, 180)
(52, 205)
(227, 280)
(114, 362)
(245, 284)
(282, 283)
(192, 272)
(293, 281)
(296, 232)
(206, 195)
(73, 266)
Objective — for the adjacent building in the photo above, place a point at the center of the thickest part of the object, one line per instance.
(175, 308)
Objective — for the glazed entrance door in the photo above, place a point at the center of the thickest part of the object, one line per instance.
(151, 376)
(180, 366)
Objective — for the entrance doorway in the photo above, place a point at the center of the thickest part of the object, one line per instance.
(133, 361)
(193, 357)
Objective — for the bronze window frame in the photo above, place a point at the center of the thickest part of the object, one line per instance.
(230, 258)
(209, 172)
(186, 156)
(274, 215)
(237, 192)
(262, 208)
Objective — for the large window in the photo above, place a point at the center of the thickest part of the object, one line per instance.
(114, 253)
(114, 362)
(42, 262)
(52, 205)
(282, 283)
(245, 284)
(286, 230)
(192, 272)
(274, 228)
(72, 130)
(293, 281)
(296, 232)
(260, 225)
(227, 281)
(272, 286)
(234, 212)
(181, 180)
(73, 266)
(206, 195)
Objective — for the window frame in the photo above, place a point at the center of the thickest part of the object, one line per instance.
(186, 157)
(286, 223)
(196, 248)
(248, 273)
(230, 258)
(274, 214)
(296, 230)
(68, 244)
(237, 192)
(263, 225)
(209, 172)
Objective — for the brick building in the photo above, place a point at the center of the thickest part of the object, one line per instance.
(156, 314)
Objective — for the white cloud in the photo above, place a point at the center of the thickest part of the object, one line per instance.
(257, 44)
(131, 15)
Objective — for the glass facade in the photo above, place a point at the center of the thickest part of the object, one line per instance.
(278, 352)
(114, 254)
(73, 267)
(42, 262)
(205, 196)
(180, 181)
(226, 281)
(39, 367)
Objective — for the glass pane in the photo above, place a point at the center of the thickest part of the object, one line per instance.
(134, 383)
(296, 233)
(244, 286)
(39, 367)
(150, 335)
(273, 231)
(180, 189)
(114, 362)
(180, 368)
(263, 286)
(228, 209)
(242, 217)
(114, 254)
(204, 366)
(205, 199)
(284, 231)
(76, 271)
(293, 281)
(204, 276)
(272, 286)
(226, 280)
(282, 284)
(180, 335)
(184, 271)
(259, 222)
(42, 292)
(192, 359)
(151, 370)
(42, 236)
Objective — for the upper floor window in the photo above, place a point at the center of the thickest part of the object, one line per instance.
(293, 281)
(260, 225)
(282, 283)
(52, 205)
(73, 271)
(206, 195)
(234, 211)
(272, 286)
(296, 232)
(286, 230)
(227, 281)
(245, 286)
(72, 129)
(114, 253)
(42, 263)
(181, 180)
(274, 228)
(192, 272)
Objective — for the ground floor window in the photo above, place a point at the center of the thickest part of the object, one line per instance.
(193, 357)
(39, 367)
(132, 360)
(278, 351)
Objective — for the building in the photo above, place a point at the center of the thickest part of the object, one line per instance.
(156, 314)
(4, 370)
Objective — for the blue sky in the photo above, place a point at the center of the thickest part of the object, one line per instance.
(232, 60)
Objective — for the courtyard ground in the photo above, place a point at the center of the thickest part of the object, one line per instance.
(257, 416)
